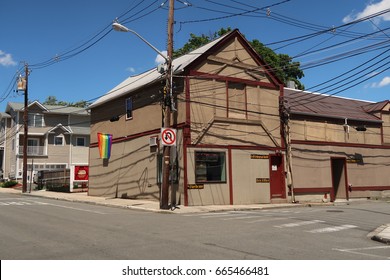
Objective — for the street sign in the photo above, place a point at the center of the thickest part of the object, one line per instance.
(168, 136)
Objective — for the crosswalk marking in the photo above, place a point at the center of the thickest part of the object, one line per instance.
(241, 218)
(268, 219)
(303, 223)
(250, 217)
(226, 215)
(19, 202)
(332, 229)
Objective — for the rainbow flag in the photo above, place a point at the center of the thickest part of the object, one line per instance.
(104, 142)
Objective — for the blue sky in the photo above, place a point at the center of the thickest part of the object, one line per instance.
(59, 40)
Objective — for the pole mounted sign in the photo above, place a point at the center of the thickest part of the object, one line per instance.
(168, 136)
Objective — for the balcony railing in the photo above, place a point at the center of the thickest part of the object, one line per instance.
(33, 150)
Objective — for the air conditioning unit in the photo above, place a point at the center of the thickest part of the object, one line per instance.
(153, 141)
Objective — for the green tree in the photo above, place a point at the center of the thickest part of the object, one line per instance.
(281, 64)
(52, 100)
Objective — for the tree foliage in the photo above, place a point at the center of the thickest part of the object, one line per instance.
(52, 100)
(282, 65)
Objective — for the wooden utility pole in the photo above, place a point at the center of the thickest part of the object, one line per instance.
(25, 134)
(164, 204)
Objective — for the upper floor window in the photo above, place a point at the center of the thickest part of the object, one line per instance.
(129, 108)
(80, 141)
(237, 100)
(58, 140)
(35, 120)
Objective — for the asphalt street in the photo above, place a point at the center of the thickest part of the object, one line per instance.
(39, 228)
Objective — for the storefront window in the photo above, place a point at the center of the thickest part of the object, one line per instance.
(210, 167)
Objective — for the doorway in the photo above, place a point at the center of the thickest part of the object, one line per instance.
(339, 179)
(277, 180)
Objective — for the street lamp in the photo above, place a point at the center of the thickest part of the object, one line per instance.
(119, 27)
(167, 104)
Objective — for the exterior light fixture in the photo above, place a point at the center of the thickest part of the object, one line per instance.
(361, 128)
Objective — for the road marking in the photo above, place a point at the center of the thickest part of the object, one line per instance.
(32, 203)
(332, 229)
(241, 217)
(225, 215)
(17, 203)
(75, 208)
(269, 220)
(303, 223)
(356, 251)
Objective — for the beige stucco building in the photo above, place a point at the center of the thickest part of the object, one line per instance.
(340, 146)
(239, 137)
(229, 148)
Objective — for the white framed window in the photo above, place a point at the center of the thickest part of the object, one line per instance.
(80, 141)
(33, 146)
(35, 120)
(59, 140)
(129, 108)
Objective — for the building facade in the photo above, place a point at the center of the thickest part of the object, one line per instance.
(58, 138)
(241, 137)
(229, 147)
(340, 147)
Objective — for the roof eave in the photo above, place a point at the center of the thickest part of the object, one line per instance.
(333, 117)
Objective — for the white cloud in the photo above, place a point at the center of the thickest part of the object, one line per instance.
(385, 82)
(159, 59)
(370, 9)
(6, 59)
(131, 69)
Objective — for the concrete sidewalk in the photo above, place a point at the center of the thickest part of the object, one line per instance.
(381, 234)
(144, 204)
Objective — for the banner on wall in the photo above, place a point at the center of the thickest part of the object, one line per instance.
(104, 143)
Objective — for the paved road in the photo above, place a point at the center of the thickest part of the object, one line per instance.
(38, 228)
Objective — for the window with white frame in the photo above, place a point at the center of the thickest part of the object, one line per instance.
(33, 146)
(59, 140)
(80, 141)
(35, 120)
(129, 108)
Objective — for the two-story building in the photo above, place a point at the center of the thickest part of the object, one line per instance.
(229, 147)
(58, 138)
(242, 138)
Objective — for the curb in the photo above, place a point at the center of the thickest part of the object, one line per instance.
(380, 235)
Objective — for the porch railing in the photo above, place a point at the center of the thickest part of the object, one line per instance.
(33, 150)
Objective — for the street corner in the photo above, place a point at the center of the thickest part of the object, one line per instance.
(381, 234)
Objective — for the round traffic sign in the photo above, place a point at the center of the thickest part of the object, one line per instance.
(168, 136)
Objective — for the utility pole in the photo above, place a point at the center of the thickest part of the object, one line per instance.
(25, 134)
(168, 103)
(285, 115)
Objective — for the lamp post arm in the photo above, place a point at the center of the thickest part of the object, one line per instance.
(119, 27)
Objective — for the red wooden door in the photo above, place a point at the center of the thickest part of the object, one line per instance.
(277, 179)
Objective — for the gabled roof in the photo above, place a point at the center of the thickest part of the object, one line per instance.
(149, 77)
(327, 106)
(4, 115)
(66, 129)
(179, 65)
(376, 107)
(55, 109)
